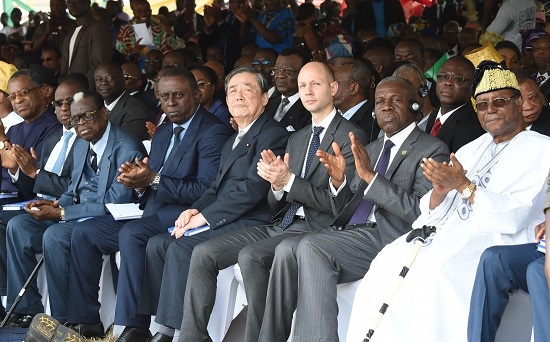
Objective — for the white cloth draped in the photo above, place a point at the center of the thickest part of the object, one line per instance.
(433, 301)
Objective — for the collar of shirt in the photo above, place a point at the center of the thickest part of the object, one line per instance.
(442, 118)
(349, 114)
(113, 104)
(270, 91)
(325, 123)
(291, 100)
(186, 124)
(398, 139)
(245, 129)
(99, 146)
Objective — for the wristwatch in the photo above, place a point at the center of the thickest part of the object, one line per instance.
(469, 190)
(155, 182)
(62, 214)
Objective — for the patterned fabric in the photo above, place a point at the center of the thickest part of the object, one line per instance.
(161, 41)
(282, 23)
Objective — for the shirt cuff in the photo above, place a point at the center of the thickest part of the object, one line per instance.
(15, 177)
(333, 190)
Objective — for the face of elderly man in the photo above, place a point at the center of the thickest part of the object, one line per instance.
(499, 113)
(245, 98)
(533, 101)
(391, 105)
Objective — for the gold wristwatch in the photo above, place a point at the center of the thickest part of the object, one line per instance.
(469, 190)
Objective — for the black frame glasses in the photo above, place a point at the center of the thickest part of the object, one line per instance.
(59, 103)
(499, 102)
(89, 115)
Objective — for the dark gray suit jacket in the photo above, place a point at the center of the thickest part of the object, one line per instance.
(311, 192)
(237, 197)
(398, 194)
(121, 148)
(92, 47)
(130, 115)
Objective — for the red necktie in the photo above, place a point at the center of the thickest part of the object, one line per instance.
(436, 127)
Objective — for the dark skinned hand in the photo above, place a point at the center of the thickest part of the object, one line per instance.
(362, 160)
(136, 176)
(44, 210)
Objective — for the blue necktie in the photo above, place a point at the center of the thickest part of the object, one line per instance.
(313, 147)
(60, 161)
(365, 207)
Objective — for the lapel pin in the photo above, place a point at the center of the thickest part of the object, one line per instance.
(247, 145)
(403, 152)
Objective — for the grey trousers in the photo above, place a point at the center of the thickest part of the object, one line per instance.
(253, 248)
(304, 278)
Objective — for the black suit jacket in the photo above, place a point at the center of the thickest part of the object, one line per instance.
(364, 18)
(296, 116)
(190, 172)
(459, 129)
(130, 115)
(545, 89)
(449, 14)
(182, 28)
(148, 99)
(237, 197)
(542, 125)
(47, 183)
(363, 118)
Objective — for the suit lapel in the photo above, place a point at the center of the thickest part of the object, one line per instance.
(79, 36)
(405, 149)
(452, 120)
(326, 143)
(188, 139)
(80, 154)
(105, 163)
(431, 120)
(158, 150)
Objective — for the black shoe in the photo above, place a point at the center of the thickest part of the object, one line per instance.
(17, 320)
(132, 334)
(161, 338)
(46, 329)
(89, 330)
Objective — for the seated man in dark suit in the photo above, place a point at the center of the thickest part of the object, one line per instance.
(185, 155)
(299, 201)
(28, 97)
(236, 199)
(51, 179)
(373, 208)
(354, 81)
(285, 104)
(455, 122)
(136, 83)
(49, 226)
(124, 111)
(535, 108)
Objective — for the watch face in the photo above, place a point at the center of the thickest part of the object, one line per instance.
(2, 145)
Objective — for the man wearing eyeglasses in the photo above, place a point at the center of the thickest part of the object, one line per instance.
(455, 121)
(47, 229)
(135, 83)
(285, 105)
(29, 100)
(264, 61)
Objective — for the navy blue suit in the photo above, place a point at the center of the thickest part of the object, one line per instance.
(236, 199)
(184, 178)
(27, 236)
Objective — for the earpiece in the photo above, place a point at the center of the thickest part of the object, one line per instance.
(414, 107)
(423, 89)
(373, 115)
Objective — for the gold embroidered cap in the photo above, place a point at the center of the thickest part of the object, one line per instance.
(484, 53)
(6, 70)
(491, 76)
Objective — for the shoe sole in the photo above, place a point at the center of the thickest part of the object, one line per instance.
(44, 328)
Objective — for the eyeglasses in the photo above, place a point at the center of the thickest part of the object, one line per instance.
(21, 93)
(129, 77)
(178, 96)
(497, 103)
(59, 103)
(152, 61)
(46, 59)
(203, 85)
(288, 71)
(264, 62)
(74, 120)
(454, 78)
(529, 48)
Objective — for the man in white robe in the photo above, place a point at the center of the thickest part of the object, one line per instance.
(492, 193)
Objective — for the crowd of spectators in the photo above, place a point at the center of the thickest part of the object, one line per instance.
(216, 99)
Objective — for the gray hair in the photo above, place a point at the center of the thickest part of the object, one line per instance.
(262, 82)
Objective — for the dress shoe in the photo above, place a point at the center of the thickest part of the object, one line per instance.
(161, 338)
(132, 334)
(89, 330)
(17, 320)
